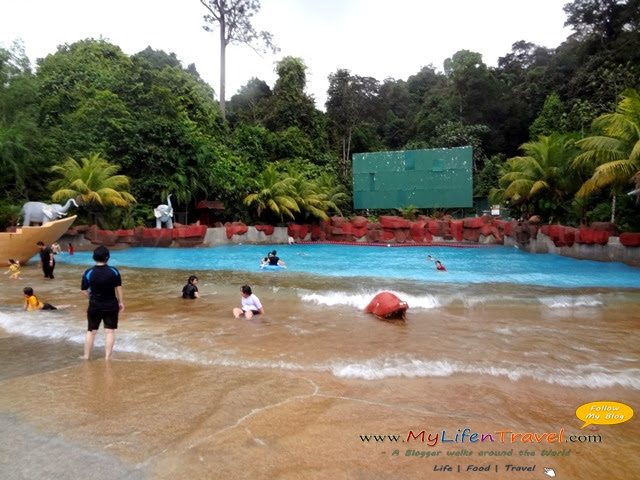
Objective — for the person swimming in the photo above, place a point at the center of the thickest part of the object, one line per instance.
(275, 260)
(272, 260)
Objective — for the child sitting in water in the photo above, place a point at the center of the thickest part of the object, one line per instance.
(250, 304)
(31, 302)
(14, 269)
(439, 266)
(190, 290)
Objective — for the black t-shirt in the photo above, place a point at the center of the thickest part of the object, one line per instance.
(189, 291)
(45, 255)
(273, 260)
(101, 281)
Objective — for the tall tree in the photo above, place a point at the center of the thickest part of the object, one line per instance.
(19, 134)
(82, 108)
(293, 112)
(550, 118)
(616, 153)
(484, 99)
(234, 21)
(291, 106)
(456, 134)
(350, 101)
(602, 57)
(602, 19)
(144, 112)
(248, 105)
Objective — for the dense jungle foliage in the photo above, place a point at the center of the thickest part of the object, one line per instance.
(555, 132)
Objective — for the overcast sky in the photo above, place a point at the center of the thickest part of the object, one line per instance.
(376, 38)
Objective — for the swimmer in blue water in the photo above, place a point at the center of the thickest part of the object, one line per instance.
(272, 260)
(275, 260)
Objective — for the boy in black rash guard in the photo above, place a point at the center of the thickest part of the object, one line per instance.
(190, 290)
(103, 285)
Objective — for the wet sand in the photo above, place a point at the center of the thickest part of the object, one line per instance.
(161, 420)
(136, 417)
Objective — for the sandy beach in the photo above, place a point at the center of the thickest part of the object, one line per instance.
(207, 397)
(141, 419)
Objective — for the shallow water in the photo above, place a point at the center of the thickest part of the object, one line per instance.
(296, 386)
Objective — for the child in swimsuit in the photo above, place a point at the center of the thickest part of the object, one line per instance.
(14, 269)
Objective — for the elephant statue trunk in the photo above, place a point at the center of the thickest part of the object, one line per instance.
(42, 213)
(164, 214)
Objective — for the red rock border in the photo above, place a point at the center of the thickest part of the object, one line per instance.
(393, 230)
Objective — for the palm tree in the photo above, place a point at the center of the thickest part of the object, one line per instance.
(308, 195)
(93, 181)
(542, 174)
(514, 185)
(275, 194)
(335, 192)
(615, 154)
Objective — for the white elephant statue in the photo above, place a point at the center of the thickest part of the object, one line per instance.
(164, 214)
(42, 213)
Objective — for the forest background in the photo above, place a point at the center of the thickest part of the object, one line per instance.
(555, 132)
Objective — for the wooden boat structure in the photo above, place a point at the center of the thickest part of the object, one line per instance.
(387, 306)
(21, 244)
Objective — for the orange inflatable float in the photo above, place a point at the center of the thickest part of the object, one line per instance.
(387, 306)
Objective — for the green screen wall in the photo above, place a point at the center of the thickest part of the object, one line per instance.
(435, 178)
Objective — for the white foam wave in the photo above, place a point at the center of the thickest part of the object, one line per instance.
(503, 331)
(566, 301)
(42, 324)
(582, 348)
(581, 376)
(54, 325)
(440, 299)
(361, 300)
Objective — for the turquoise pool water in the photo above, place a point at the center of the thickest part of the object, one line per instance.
(464, 265)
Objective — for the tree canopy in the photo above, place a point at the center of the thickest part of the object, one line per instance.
(158, 123)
